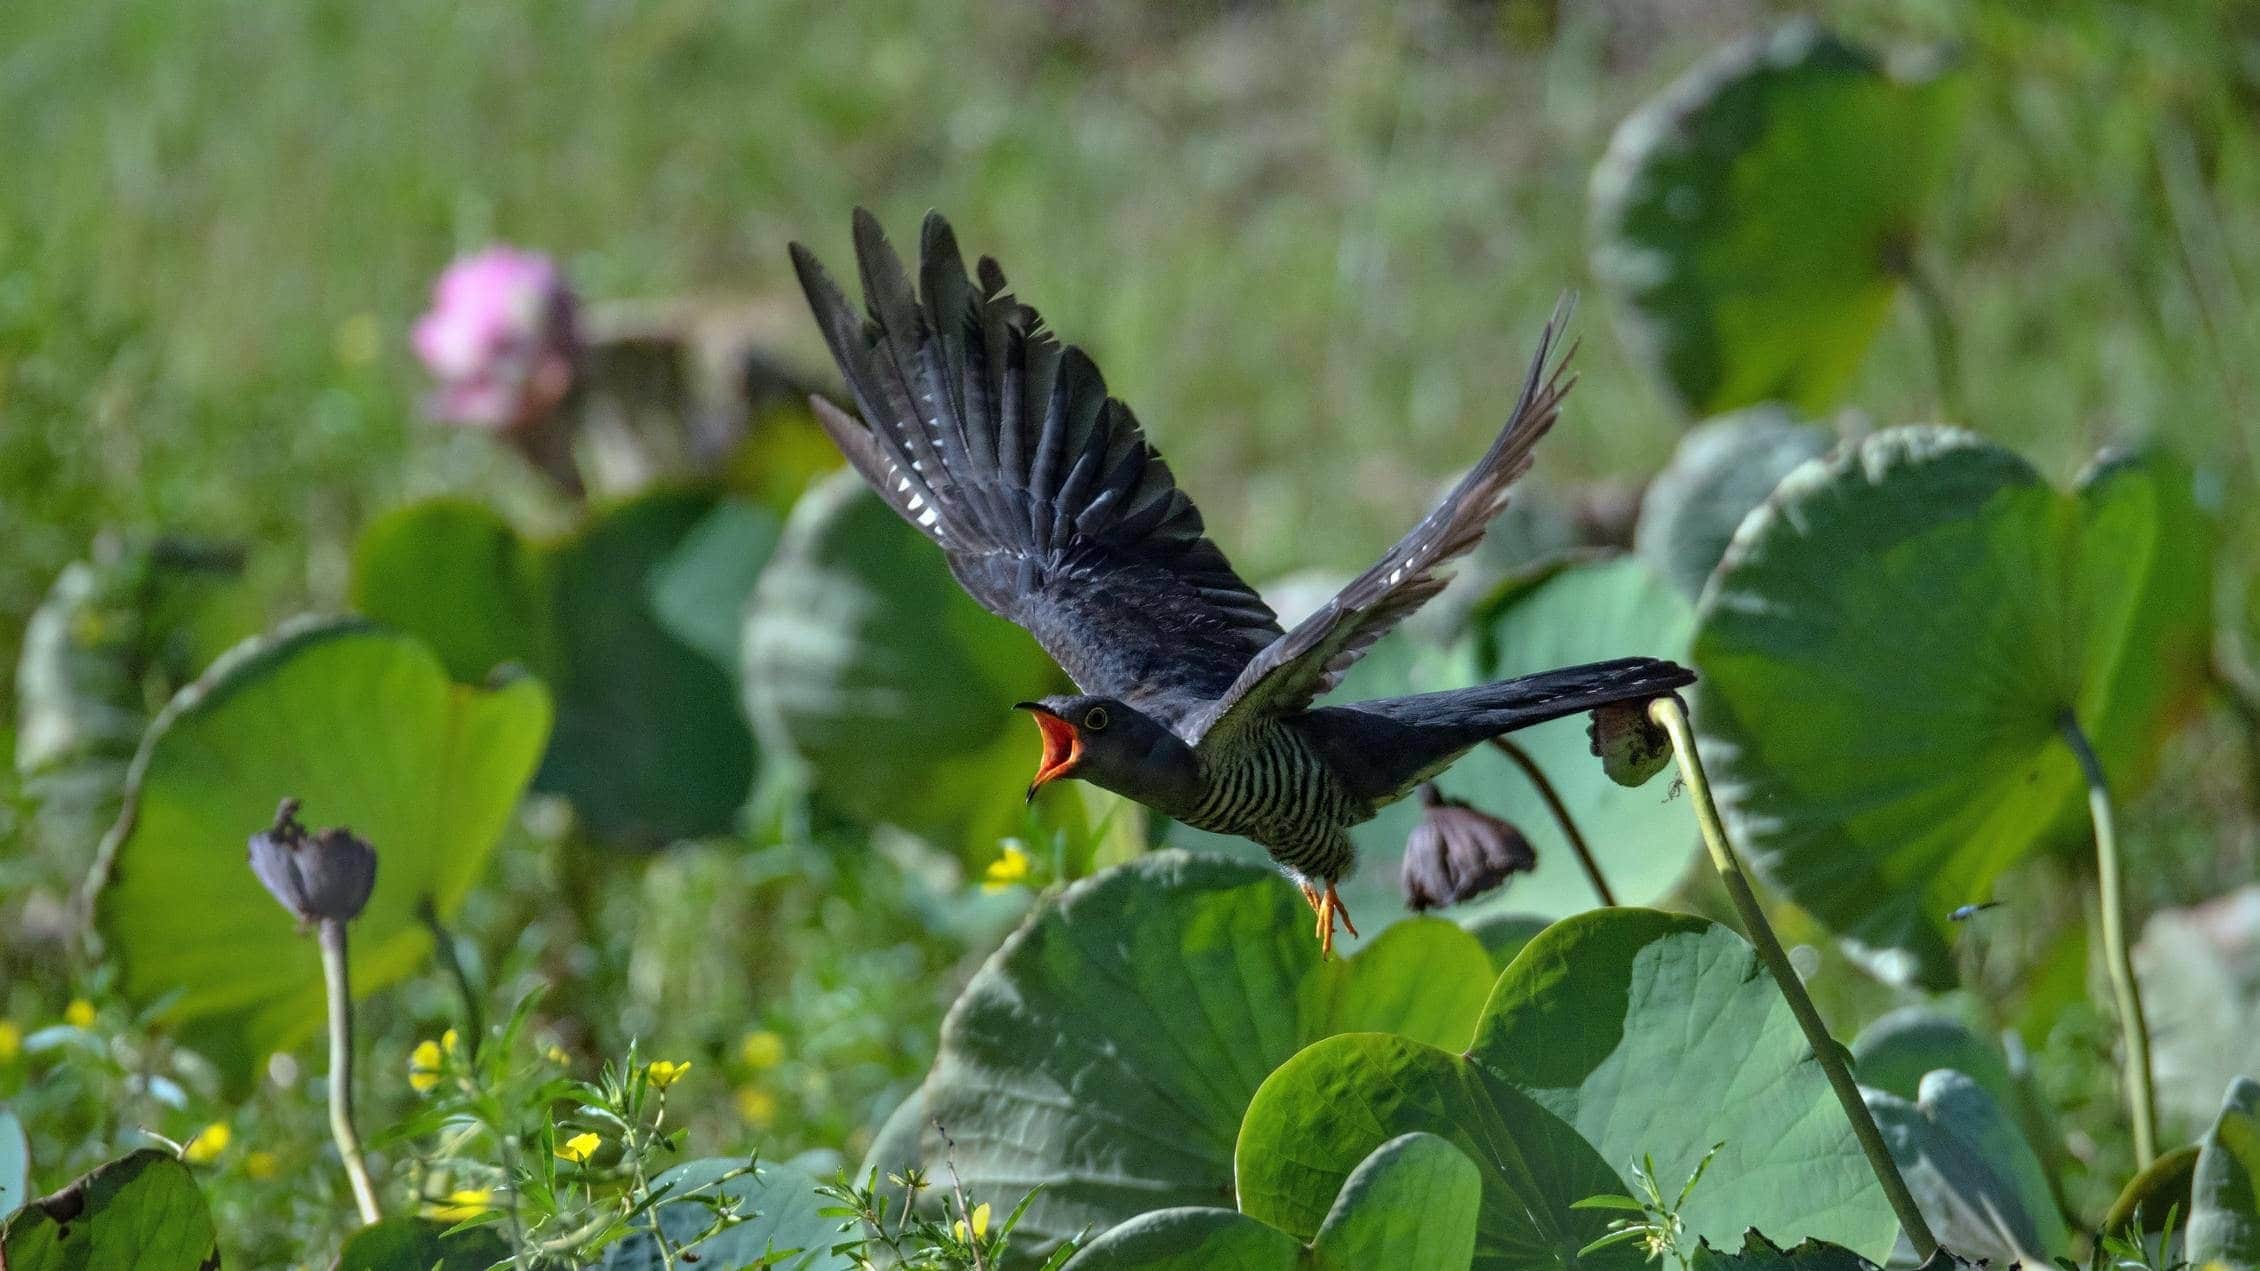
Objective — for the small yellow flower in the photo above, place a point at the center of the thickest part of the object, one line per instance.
(447, 1041)
(207, 1144)
(579, 1148)
(980, 1223)
(11, 1040)
(757, 1106)
(79, 1014)
(262, 1165)
(1006, 870)
(761, 1050)
(424, 1066)
(359, 339)
(663, 1073)
(555, 1054)
(461, 1205)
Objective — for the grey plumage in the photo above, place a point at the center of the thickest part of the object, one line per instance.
(1055, 512)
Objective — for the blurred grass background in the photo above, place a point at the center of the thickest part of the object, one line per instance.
(1310, 243)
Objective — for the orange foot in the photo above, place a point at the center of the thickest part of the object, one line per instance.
(1329, 907)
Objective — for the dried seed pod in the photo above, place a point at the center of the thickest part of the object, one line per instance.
(1458, 852)
(1631, 746)
(315, 876)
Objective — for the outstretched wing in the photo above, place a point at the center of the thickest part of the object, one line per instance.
(1311, 659)
(1005, 449)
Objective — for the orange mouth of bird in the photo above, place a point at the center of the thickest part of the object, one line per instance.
(1063, 747)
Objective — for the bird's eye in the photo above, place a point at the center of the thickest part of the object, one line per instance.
(1095, 718)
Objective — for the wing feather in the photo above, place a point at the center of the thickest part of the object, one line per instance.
(1052, 508)
(1310, 660)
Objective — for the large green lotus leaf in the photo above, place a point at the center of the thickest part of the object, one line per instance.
(1110, 1047)
(620, 618)
(2224, 1210)
(1410, 1204)
(1566, 612)
(15, 1163)
(1760, 1254)
(1887, 652)
(2200, 974)
(365, 727)
(1895, 1052)
(1975, 1178)
(867, 662)
(1615, 1035)
(421, 1244)
(780, 1210)
(1723, 468)
(138, 1213)
(1749, 217)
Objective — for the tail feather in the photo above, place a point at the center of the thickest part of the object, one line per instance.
(1386, 747)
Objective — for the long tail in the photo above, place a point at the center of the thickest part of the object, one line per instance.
(1395, 743)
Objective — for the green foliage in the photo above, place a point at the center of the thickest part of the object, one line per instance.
(422, 1244)
(366, 729)
(1412, 1203)
(870, 666)
(2224, 1212)
(1760, 1254)
(1756, 216)
(15, 1163)
(1980, 1186)
(1164, 991)
(1888, 656)
(141, 1212)
(621, 619)
(734, 1215)
(1616, 1035)
(1723, 468)
(2200, 974)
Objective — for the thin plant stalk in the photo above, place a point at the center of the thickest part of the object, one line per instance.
(1938, 323)
(1562, 817)
(451, 959)
(2142, 1100)
(335, 975)
(1672, 718)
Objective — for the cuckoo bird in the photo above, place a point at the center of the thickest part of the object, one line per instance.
(1003, 447)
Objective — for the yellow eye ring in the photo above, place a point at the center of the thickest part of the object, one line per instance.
(1095, 718)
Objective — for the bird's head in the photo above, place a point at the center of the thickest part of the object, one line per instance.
(1113, 745)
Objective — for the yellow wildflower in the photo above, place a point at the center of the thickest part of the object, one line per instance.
(980, 1223)
(11, 1040)
(461, 1205)
(1006, 870)
(262, 1165)
(555, 1054)
(662, 1073)
(447, 1041)
(761, 1050)
(424, 1066)
(79, 1014)
(579, 1148)
(207, 1144)
(757, 1106)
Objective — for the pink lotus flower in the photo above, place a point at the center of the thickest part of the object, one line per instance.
(500, 338)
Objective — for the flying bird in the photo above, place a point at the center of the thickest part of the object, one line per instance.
(1054, 512)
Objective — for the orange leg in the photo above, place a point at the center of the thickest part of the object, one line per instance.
(1330, 909)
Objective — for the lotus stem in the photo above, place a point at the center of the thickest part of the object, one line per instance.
(335, 975)
(1562, 817)
(2142, 1100)
(1672, 718)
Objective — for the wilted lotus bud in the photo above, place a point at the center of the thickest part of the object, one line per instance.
(501, 338)
(1457, 852)
(315, 876)
(1631, 746)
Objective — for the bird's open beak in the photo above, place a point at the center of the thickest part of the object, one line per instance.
(1063, 747)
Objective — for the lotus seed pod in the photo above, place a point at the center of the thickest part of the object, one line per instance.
(315, 876)
(1631, 746)
(1458, 852)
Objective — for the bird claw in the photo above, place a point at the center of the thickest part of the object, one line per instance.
(1330, 909)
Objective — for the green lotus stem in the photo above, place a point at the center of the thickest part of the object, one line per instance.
(1672, 718)
(2142, 1100)
(1562, 817)
(1938, 322)
(335, 976)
